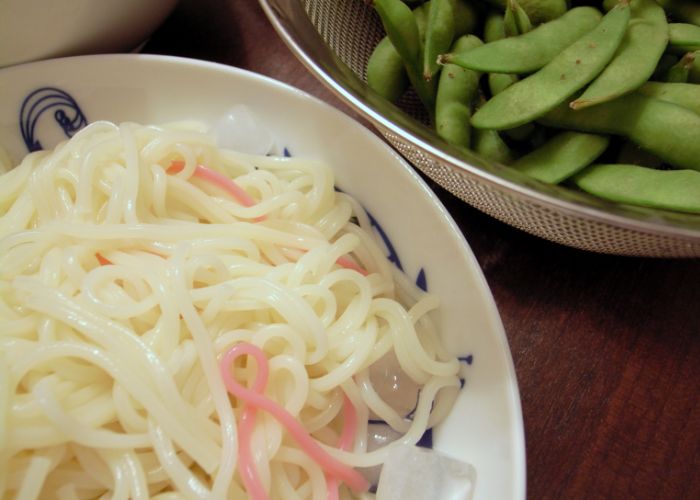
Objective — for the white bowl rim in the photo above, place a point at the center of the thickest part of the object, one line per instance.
(517, 424)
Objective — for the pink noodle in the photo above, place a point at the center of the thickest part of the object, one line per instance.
(214, 177)
(349, 264)
(347, 437)
(248, 473)
(254, 398)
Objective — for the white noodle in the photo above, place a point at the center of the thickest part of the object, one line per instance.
(110, 382)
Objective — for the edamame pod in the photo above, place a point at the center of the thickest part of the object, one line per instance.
(665, 129)
(683, 94)
(386, 74)
(683, 37)
(489, 145)
(562, 156)
(439, 35)
(568, 72)
(533, 50)
(636, 59)
(457, 90)
(677, 190)
(494, 30)
(539, 11)
(402, 29)
(420, 13)
(465, 17)
(680, 72)
(498, 82)
(515, 20)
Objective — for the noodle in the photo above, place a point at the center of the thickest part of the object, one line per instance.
(183, 321)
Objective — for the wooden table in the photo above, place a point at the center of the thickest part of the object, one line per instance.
(606, 349)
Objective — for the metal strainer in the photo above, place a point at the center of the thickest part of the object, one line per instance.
(334, 39)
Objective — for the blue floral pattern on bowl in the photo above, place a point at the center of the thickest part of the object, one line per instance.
(66, 112)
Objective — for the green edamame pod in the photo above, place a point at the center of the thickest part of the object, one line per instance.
(421, 15)
(665, 129)
(494, 30)
(489, 145)
(533, 50)
(465, 17)
(386, 74)
(439, 35)
(680, 72)
(402, 29)
(515, 20)
(539, 11)
(683, 37)
(677, 190)
(683, 94)
(562, 156)
(636, 59)
(498, 82)
(568, 72)
(457, 90)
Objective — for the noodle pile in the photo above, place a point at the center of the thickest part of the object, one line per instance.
(126, 278)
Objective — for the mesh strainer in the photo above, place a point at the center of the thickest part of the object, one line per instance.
(334, 39)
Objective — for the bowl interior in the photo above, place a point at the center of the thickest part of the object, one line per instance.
(43, 103)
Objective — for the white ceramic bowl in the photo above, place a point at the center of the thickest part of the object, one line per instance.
(40, 29)
(485, 428)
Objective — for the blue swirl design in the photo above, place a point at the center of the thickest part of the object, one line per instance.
(67, 114)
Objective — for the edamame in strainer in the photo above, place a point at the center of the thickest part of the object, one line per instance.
(624, 70)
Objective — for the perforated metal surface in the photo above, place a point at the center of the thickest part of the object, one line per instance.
(351, 29)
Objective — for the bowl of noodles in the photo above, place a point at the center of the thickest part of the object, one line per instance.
(200, 298)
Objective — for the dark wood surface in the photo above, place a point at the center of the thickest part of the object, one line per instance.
(606, 349)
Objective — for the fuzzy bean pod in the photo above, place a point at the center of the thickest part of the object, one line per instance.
(439, 34)
(515, 20)
(683, 94)
(683, 37)
(539, 11)
(533, 50)
(457, 91)
(665, 129)
(562, 156)
(677, 190)
(568, 72)
(680, 72)
(386, 74)
(401, 27)
(636, 59)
